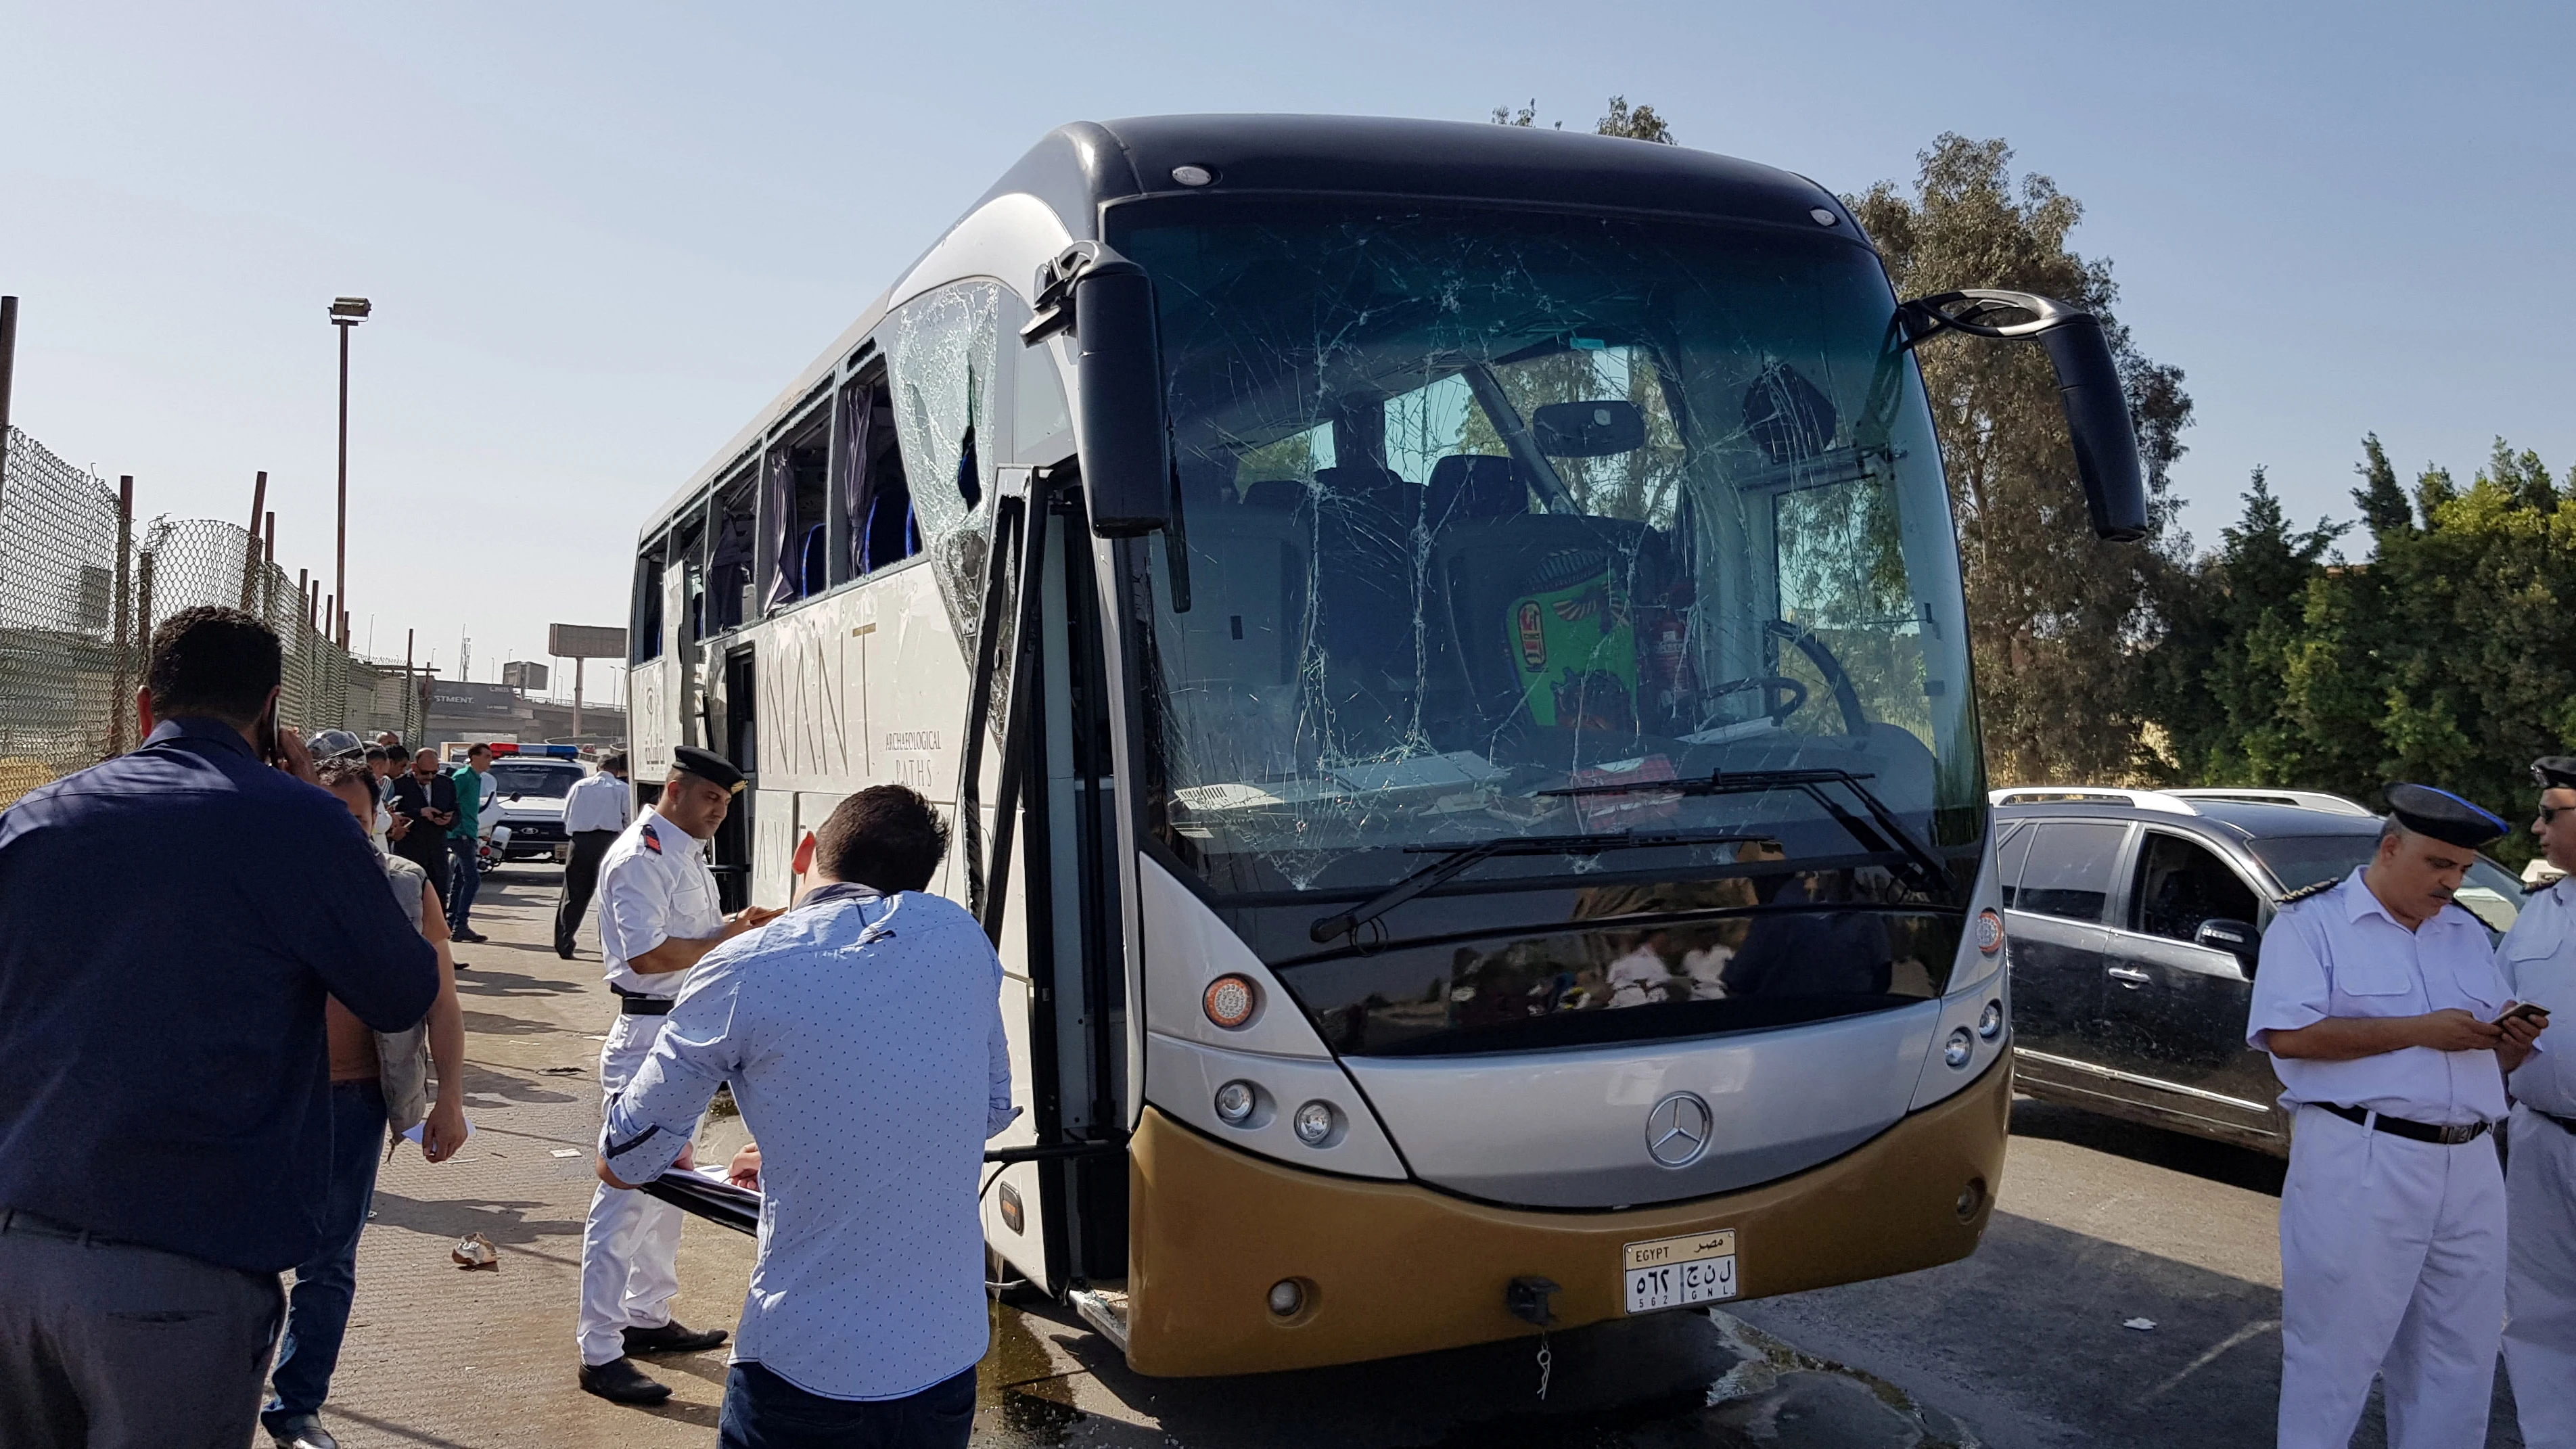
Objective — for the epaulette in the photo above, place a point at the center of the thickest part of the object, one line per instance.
(652, 842)
(2303, 892)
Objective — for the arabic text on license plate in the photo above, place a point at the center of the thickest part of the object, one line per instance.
(1672, 1272)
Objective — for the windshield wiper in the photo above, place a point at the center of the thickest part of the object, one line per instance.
(1457, 859)
(1922, 867)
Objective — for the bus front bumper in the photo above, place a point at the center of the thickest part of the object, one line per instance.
(1395, 1268)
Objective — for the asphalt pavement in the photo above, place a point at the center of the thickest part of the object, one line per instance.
(2099, 1226)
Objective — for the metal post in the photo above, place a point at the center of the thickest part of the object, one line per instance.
(340, 568)
(143, 618)
(250, 560)
(117, 703)
(269, 575)
(407, 684)
(8, 373)
(576, 696)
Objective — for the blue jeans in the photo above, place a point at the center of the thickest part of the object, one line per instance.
(764, 1411)
(317, 1312)
(464, 878)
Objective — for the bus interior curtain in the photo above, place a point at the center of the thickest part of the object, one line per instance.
(729, 570)
(858, 412)
(778, 497)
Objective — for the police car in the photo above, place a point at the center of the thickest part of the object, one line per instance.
(524, 821)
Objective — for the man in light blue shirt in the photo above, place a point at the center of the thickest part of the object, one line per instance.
(861, 1034)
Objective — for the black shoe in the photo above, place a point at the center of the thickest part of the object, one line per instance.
(620, 1382)
(672, 1337)
(311, 1436)
(564, 951)
(469, 936)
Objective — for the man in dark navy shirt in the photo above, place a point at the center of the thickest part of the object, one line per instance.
(170, 922)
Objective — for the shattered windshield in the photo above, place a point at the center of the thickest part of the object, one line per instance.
(1484, 507)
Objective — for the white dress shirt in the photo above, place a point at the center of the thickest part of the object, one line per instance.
(654, 885)
(2339, 953)
(598, 802)
(2539, 962)
(863, 1039)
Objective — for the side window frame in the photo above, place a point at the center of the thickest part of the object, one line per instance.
(2012, 852)
(647, 629)
(2120, 855)
(2132, 916)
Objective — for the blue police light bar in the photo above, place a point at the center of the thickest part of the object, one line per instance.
(560, 752)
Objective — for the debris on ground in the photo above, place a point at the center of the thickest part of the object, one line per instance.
(563, 1071)
(565, 1152)
(475, 1251)
(2140, 1324)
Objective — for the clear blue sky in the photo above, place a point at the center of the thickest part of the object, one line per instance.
(599, 237)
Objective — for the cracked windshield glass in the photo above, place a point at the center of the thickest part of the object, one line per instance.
(1516, 526)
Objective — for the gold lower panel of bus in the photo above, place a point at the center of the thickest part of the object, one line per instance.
(1394, 1268)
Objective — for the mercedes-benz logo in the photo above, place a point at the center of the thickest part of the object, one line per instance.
(1677, 1131)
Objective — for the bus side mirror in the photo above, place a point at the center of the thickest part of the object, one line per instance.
(1119, 431)
(2088, 386)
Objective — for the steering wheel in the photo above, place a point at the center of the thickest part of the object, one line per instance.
(1797, 693)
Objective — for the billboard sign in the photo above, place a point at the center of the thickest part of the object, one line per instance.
(483, 701)
(585, 641)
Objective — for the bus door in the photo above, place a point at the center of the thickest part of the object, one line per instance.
(1044, 885)
(738, 742)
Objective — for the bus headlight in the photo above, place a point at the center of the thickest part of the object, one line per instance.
(1959, 1048)
(1229, 1001)
(1234, 1103)
(1316, 1123)
(1990, 1022)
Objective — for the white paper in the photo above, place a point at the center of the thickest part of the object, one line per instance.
(418, 1127)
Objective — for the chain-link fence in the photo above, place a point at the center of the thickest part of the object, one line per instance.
(81, 587)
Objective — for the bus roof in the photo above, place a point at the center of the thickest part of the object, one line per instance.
(1080, 168)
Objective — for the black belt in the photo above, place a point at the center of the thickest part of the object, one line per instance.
(36, 1225)
(2449, 1135)
(637, 1003)
(2565, 1124)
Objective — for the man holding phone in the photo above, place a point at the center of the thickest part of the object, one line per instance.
(171, 923)
(2539, 962)
(2392, 1031)
(424, 805)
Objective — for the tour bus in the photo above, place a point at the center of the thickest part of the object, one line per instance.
(1444, 649)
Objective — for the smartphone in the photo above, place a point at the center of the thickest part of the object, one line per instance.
(268, 750)
(2529, 1011)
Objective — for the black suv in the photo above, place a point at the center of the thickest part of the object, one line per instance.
(2133, 920)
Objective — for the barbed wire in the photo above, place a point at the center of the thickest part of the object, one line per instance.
(81, 588)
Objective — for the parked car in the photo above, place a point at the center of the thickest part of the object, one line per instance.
(2133, 923)
(525, 819)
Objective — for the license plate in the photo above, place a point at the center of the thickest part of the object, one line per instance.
(1673, 1272)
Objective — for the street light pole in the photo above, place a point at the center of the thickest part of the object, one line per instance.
(346, 313)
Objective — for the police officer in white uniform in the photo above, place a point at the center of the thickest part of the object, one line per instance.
(2377, 998)
(657, 916)
(2539, 961)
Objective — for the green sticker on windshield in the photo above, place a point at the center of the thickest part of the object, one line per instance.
(1577, 646)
